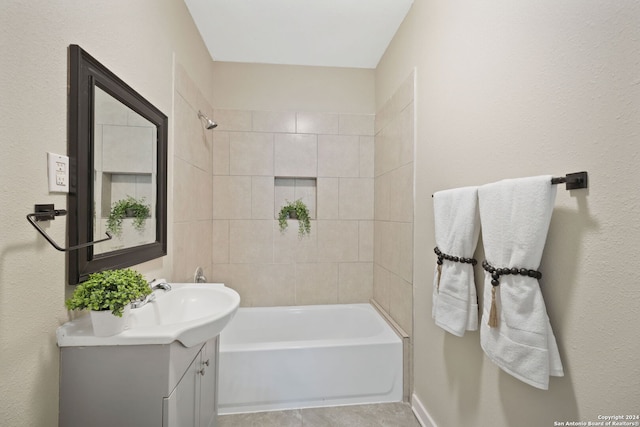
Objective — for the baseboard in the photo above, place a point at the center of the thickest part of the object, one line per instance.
(421, 413)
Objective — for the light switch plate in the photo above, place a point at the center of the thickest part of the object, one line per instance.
(58, 171)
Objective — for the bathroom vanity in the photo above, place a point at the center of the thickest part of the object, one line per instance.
(139, 385)
(160, 372)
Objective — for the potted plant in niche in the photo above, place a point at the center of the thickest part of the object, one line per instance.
(108, 295)
(129, 207)
(295, 210)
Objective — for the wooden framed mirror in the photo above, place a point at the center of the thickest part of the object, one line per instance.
(118, 156)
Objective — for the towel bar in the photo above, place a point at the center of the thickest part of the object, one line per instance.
(573, 181)
(46, 213)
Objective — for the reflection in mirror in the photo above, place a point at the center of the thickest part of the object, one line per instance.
(124, 176)
(118, 174)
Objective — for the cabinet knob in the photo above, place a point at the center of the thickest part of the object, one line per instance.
(201, 371)
(206, 362)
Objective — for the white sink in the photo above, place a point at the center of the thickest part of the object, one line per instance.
(189, 313)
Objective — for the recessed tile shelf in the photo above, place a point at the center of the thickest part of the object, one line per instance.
(293, 188)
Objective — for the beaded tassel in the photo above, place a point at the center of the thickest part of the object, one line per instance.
(493, 314)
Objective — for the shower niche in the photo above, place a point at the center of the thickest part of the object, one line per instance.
(289, 189)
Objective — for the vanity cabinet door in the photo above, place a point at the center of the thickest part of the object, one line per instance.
(193, 403)
(181, 407)
(208, 384)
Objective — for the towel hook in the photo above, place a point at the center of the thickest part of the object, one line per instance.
(46, 213)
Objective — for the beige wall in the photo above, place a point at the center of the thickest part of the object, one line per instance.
(293, 88)
(137, 41)
(509, 90)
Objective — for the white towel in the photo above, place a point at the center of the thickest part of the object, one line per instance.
(455, 302)
(515, 216)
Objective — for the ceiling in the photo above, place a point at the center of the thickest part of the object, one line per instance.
(333, 33)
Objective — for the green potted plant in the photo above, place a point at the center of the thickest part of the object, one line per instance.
(128, 207)
(108, 295)
(295, 210)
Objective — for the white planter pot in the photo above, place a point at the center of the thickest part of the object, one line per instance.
(106, 324)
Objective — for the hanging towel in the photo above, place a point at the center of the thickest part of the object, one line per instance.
(455, 303)
(515, 216)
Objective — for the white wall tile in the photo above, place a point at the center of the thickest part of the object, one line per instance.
(251, 153)
(338, 156)
(401, 302)
(251, 241)
(365, 241)
(355, 282)
(327, 198)
(337, 241)
(316, 283)
(259, 284)
(400, 193)
(232, 120)
(220, 153)
(381, 279)
(231, 197)
(289, 247)
(367, 156)
(220, 241)
(318, 123)
(296, 155)
(262, 194)
(274, 121)
(356, 198)
(192, 248)
(357, 124)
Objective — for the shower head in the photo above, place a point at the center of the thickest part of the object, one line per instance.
(210, 123)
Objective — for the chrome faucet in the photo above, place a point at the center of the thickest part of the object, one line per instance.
(143, 301)
(152, 296)
(162, 285)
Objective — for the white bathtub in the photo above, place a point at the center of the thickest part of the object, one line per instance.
(274, 358)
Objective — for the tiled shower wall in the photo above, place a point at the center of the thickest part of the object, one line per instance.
(192, 167)
(334, 153)
(393, 218)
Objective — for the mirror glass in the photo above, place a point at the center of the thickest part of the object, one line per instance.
(124, 180)
(118, 174)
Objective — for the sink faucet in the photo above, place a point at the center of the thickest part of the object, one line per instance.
(143, 301)
(164, 286)
(159, 284)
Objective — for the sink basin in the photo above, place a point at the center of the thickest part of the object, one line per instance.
(189, 313)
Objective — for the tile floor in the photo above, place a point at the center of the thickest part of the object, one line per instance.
(379, 415)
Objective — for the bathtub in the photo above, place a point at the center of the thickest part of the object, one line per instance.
(275, 358)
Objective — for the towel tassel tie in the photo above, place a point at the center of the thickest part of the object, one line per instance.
(493, 314)
(495, 282)
(442, 256)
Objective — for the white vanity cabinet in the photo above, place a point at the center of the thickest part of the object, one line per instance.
(139, 385)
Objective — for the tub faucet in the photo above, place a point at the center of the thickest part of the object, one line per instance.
(199, 276)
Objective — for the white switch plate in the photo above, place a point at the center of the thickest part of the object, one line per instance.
(58, 170)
